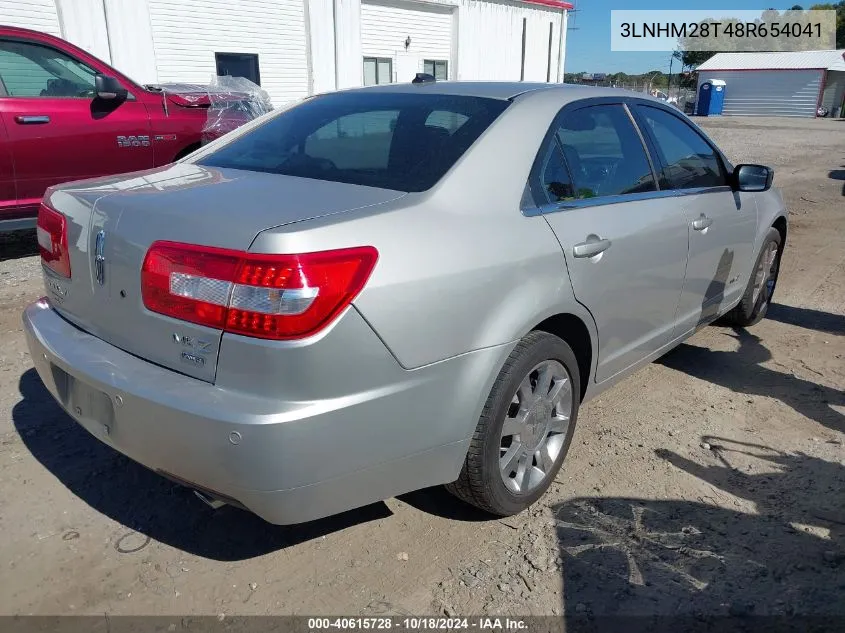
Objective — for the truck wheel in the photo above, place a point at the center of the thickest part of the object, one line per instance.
(525, 429)
(761, 286)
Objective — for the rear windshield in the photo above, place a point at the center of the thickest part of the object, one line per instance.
(400, 141)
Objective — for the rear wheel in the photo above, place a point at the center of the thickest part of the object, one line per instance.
(761, 286)
(525, 429)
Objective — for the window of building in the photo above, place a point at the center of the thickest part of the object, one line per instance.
(378, 70)
(437, 67)
(238, 65)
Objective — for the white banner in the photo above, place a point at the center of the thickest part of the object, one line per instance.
(722, 31)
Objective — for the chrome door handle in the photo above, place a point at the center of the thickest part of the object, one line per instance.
(32, 120)
(592, 247)
(702, 223)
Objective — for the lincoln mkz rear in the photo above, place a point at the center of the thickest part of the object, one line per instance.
(385, 289)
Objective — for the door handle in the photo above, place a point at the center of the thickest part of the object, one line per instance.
(594, 245)
(32, 119)
(702, 223)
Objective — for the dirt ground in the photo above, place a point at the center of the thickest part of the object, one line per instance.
(712, 482)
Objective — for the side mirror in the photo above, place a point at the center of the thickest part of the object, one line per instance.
(109, 88)
(753, 178)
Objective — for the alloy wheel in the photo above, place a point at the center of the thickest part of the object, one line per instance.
(535, 427)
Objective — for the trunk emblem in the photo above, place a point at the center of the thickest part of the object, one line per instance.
(99, 258)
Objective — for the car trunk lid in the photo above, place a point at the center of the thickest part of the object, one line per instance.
(112, 223)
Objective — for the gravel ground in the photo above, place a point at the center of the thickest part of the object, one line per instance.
(712, 482)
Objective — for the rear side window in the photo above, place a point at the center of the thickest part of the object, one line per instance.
(555, 183)
(400, 141)
(604, 152)
(688, 160)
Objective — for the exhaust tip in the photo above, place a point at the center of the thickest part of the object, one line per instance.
(211, 498)
(211, 502)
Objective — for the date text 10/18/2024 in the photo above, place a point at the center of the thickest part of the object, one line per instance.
(418, 624)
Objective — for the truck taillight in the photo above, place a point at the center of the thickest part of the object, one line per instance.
(51, 231)
(265, 296)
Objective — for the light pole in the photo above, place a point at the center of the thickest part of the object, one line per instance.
(650, 79)
(669, 82)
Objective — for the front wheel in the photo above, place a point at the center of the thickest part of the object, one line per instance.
(761, 286)
(525, 429)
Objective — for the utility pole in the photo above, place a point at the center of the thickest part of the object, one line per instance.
(669, 82)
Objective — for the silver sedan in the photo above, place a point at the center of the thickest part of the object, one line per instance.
(383, 289)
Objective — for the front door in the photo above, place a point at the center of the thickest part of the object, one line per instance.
(625, 247)
(722, 223)
(57, 129)
(7, 174)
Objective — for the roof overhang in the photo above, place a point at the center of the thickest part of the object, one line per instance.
(554, 4)
(755, 70)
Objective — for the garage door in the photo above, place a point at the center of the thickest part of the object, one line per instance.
(385, 28)
(770, 93)
(265, 38)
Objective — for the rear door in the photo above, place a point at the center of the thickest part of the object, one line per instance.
(722, 223)
(625, 246)
(57, 129)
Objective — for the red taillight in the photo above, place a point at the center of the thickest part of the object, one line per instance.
(51, 231)
(267, 296)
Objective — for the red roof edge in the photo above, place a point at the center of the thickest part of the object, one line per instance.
(555, 4)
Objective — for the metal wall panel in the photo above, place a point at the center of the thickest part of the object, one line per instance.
(187, 34)
(791, 93)
(39, 15)
(386, 25)
(490, 41)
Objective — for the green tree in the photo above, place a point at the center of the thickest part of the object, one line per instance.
(840, 19)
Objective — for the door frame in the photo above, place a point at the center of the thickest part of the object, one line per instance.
(533, 206)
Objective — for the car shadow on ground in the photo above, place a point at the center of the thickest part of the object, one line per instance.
(440, 502)
(807, 318)
(742, 371)
(145, 502)
(679, 565)
(18, 244)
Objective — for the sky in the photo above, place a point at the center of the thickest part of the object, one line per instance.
(588, 41)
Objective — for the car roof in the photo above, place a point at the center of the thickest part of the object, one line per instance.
(503, 90)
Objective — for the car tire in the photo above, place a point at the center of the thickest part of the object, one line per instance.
(761, 285)
(483, 482)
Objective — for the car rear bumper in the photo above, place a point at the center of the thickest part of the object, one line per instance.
(287, 461)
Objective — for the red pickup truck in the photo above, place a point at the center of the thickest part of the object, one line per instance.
(65, 115)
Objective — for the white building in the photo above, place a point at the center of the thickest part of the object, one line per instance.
(293, 48)
(778, 84)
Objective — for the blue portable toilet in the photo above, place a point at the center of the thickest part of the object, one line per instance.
(711, 97)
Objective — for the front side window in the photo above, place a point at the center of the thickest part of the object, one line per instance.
(688, 160)
(399, 141)
(604, 152)
(34, 70)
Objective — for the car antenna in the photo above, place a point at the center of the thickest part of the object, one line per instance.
(423, 78)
